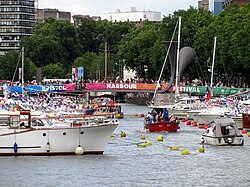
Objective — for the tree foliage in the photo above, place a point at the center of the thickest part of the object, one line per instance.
(54, 71)
(60, 45)
(91, 64)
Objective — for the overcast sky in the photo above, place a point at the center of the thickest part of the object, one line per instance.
(98, 7)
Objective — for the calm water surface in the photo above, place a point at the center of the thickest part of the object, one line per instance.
(124, 164)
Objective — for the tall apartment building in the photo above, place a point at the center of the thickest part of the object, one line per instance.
(43, 14)
(17, 19)
(137, 17)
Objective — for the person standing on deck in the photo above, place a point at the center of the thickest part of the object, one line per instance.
(165, 114)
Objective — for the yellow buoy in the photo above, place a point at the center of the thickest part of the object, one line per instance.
(79, 150)
(143, 137)
(201, 149)
(123, 134)
(248, 134)
(148, 143)
(135, 115)
(160, 138)
(112, 138)
(142, 145)
(174, 148)
(185, 152)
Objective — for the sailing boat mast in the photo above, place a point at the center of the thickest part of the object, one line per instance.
(165, 60)
(212, 73)
(22, 71)
(177, 62)
(106, 62)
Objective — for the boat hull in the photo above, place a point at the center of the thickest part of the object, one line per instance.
(246, 121)
(180, 113)
(222, 141)
(163, 127)
(55, 141)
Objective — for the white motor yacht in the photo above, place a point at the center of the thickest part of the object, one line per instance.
(31, 135)
(222, 131)
(212, 113)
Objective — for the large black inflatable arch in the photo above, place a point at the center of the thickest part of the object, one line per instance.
(187, 55)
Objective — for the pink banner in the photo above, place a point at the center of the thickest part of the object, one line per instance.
(69, 87)
(120, 86)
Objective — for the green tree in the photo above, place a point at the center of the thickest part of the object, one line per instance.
(137, 48)
(193, 20)
(53, 42)
(91, 64)
(54, 71)
(112, 33)
(232, 52)
(43, 50)
(9, 65)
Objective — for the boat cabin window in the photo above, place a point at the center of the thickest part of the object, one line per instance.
(37, 122)
(4, 121)
(14, 121)
(47, 122)
(224, 131)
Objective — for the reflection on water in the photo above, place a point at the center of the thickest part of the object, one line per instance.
(124, 164)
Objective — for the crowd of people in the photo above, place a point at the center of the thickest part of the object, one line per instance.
(155, 117)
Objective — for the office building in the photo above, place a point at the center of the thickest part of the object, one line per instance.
(216, 6)
(17, 19)
(133, 15)
(77, 19)
(43, 14)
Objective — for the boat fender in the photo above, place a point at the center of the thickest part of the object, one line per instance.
(79, 150)
(230, 141)
(202, 140)
(48, 147)
(15, 147)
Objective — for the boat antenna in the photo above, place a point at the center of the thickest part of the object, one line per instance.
(177, 61)
(165, 60)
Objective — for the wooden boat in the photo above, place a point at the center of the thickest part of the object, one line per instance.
(162, 126)
(39, 136)
(246, 121)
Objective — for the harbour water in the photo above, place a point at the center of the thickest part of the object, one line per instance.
(125, 164)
